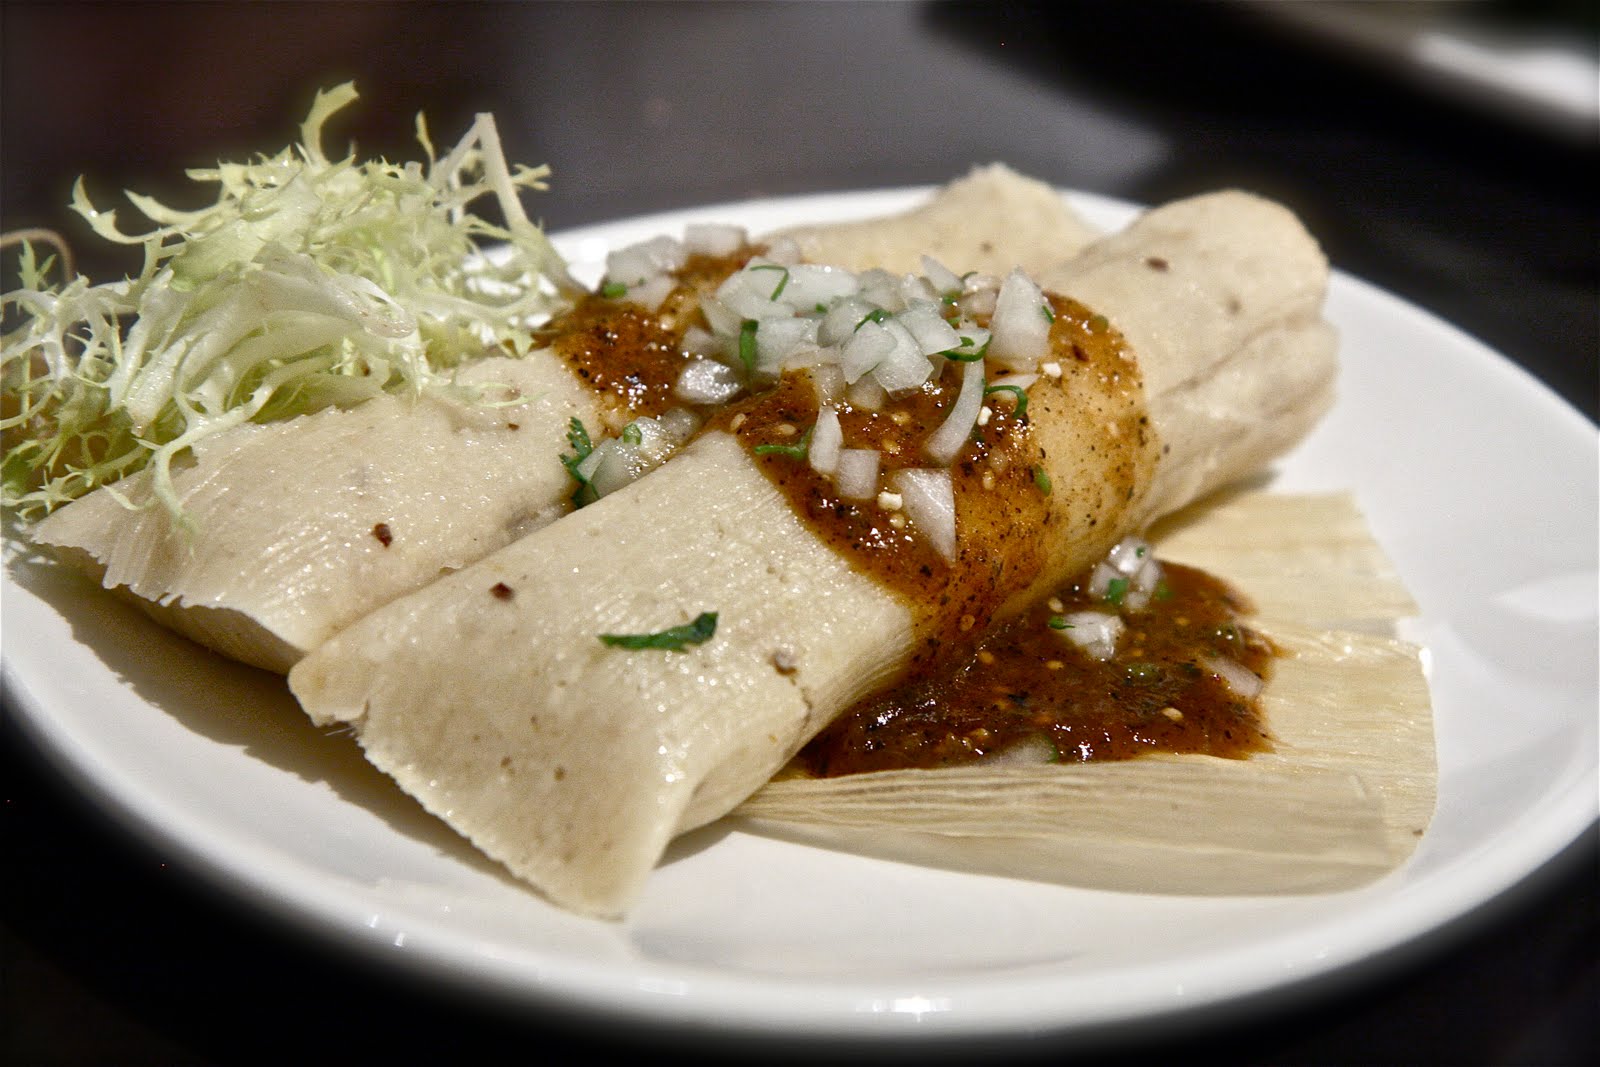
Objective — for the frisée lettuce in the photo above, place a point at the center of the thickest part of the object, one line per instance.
(310, 282)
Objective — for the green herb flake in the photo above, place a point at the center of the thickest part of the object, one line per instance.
(747, 344)
(672, 639)
(582, 448)
(877, 315)
(1042, 480)
(797, 450)
(613, 290)
(1048, 312)
(1116, 591)
(632, 435)
(782, 281)
(1021, 407)
(1059, 622)
(966, 357)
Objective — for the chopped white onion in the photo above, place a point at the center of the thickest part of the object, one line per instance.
(827, 438)
(1095, 632)
(713, 239)
(929, 500)
(881, 288)
(723, 320)
(811, 286)
(945, 443)
(828, 380)
(1243, 682)
(777, 340)
(840, 323)
(866, 394)
(651, 292)
(706, 381)
(638, 262)
(933, 334)
(943, 279)
(1020, 324)
(904, 367)
(748, 292)
(783, 250)
(856, 476)
(869, 346)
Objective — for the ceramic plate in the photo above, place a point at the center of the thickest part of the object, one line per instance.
(1480, 483)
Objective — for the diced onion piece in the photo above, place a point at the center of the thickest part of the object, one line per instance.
(978, 293)
(1020, 325)
(777, 340)
(652, 292)
(784, 250)
(748, 292)
(840, 323)
(904, 367)
(827, 438)
(856, 473)
(1128, 555)
(945, 443)
(1133, 562)
(915, 289)
(1095, 632)
(616, 462)
(881, 288)
(828, 380)
(811, 286)
(1243, 682)
(943, 279)
(928, 498)
(869, 346)
(713, 239)
(698, 341)
(638, 262)
(723, 320)
(866, 394)
(1027, 751)
(706, 381)
(932, 333)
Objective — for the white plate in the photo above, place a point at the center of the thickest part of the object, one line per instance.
(1480, 483)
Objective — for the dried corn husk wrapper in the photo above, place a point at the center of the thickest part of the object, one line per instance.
(1341, 800)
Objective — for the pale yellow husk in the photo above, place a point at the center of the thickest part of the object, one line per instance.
(1342, 798)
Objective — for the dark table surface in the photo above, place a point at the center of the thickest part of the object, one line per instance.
(115, 950)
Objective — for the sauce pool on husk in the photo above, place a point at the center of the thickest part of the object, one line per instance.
(1029, 694)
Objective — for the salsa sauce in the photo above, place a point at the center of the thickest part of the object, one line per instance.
(631, 354)
(1005, 511)
(1027, 692)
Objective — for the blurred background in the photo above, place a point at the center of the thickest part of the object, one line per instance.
(1445, 151)
(1412, 136)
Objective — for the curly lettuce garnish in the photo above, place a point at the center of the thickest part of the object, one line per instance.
(309, 282)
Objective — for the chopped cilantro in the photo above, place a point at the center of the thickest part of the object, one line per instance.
(783, 281)
(797, 450)
(672, 639)
(1116, 590)
(613, 290)
(747, 344)
(1017, 391)
(582, 448)
(1042, 480)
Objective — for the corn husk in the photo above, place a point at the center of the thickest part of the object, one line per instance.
(1342, 798)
